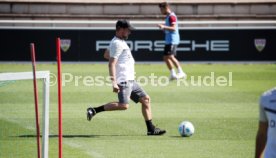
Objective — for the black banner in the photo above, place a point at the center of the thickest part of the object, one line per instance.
(146, 45)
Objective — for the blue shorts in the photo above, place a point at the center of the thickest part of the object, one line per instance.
(130, 90)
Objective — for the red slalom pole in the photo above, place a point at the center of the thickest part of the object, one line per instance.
(32, 48)
(59, 98)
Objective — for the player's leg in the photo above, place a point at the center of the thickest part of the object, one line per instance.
(146, 108)
(139, 95)
(146, 111)
(169, 63)
(180, 73)
(112, 106)
(123, 96)
(115, 106)
(176, 63)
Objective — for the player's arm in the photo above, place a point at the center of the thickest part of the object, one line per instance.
(262, 132)
(114, 53)
(164, 27)
(261, 139)
(172, 27)
(112, 74)
(106, 54)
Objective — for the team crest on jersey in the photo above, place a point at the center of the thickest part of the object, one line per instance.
(65, 44)
(260, 44)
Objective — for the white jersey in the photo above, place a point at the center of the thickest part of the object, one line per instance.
(268, 114)
(119, 50)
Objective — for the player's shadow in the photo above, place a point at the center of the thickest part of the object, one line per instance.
(75, 136)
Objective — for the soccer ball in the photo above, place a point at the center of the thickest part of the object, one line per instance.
(186, 129)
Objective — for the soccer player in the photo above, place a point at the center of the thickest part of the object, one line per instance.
(172, 39)
(266, 135)
(121, 71)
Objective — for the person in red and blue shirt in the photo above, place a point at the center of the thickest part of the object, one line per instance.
(172, 39)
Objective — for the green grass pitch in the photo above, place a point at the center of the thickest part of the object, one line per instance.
(225, 118)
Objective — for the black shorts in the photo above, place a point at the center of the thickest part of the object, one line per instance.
(170, 49)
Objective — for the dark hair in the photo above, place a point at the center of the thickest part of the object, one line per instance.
(163, 5)
(123, 24)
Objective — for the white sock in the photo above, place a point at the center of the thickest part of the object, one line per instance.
(173, 72)
(180, 70)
